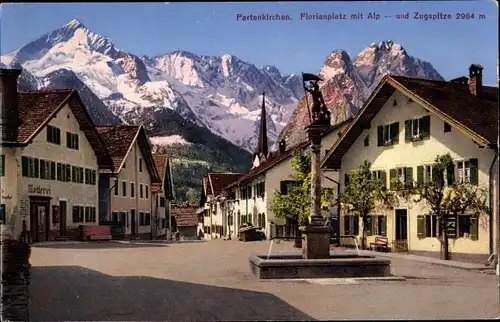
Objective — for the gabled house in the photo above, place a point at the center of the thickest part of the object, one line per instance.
(49, 161)
(216, 213)
(185, 221)
(125, 194)
(163, 194)
(247, 198)
(402, 127)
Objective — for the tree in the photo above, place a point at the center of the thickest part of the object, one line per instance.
(295, 203)
(362, 194)
(445, 201)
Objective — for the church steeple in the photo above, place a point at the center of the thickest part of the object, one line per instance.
(262, 147)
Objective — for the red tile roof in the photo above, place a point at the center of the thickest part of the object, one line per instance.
(118, 140)
(452, 100)
(37, 108)
(185, 215)
(479, 114)
(161, 162)
(218, 181)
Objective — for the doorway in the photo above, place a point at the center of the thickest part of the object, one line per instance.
(62, 217)
(401, 224)
(133, 229)
(39, 218)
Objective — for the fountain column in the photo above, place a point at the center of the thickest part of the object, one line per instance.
(316, 243)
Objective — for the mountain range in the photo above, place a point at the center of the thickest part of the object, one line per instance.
(203, 110)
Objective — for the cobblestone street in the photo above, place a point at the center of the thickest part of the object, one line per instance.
(212, 281)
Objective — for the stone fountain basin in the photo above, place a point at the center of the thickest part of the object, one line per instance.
(339, 265)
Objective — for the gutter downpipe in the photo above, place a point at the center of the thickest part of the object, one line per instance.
(338, 208)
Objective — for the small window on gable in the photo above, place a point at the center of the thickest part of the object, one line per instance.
(395, 103)
(366, 141)
(447, 127)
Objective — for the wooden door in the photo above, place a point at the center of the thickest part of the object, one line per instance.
(62, 217)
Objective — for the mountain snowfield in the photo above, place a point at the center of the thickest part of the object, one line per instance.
(223, 94)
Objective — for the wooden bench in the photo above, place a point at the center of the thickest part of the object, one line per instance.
(380, 243)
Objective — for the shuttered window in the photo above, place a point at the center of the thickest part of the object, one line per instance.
(388, 134)
(417, 129)
(53, 134)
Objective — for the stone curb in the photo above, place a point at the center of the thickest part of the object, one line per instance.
(430, 260)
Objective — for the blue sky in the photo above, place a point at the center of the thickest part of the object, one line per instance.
(292, 46)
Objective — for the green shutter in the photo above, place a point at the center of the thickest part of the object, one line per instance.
(346, 179)
(409, 176)
(473, 171)
(450, 174)
(473, 228)
(420, 175)
(420, 226)
(368, 226)
(48, 131)
(383, 226)
(395, 133)
(425, 125)
(68, 139)
(94, 177)
(435, 178)
(42, 167)
(24, 166)
(408, 133)
(52, 170)
(392, 177)
(68, 173)
(383, 177)
(76, 141)
(356, 225)
(380, 135)
(2, 165)
(37, 168)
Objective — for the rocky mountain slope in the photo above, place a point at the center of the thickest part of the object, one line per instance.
(223, 93)
(347, 83)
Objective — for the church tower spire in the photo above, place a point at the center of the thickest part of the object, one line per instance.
(262, 147)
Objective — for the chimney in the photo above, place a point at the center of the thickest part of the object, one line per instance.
(282, 145)
(476, 80)
(9, 109)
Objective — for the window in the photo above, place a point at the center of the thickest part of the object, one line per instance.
(147, 219)
(249, 191)
(468, 227)
(53, 135)
(232, 194)
(90, 215)
(132, 189)
(30, 167)
(124, 188)
(47, 170)
(116, 187)
(381, 175)
(2, 214)
(403, 175)
(90, 176)
(287, 185)
(78, 214)
(366, 141)
(259, 189)
(428, 173)
(467, 171)
(417, 129)
(123, 218)
(261, 220)
(72, 140)
(427, 226)
(2, 165)
(351, 225)
(388, 134)
(447, 127)
(141, 219)
(163, 223)
(140, 190)
(147, 192)
(77, 174)
(380, 226)
(162, 202)
(140, 165)
(114, 217)
(63, 172)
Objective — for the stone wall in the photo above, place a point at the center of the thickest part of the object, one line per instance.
(15, 280)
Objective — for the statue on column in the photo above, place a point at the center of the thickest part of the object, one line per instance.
(320, 113)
